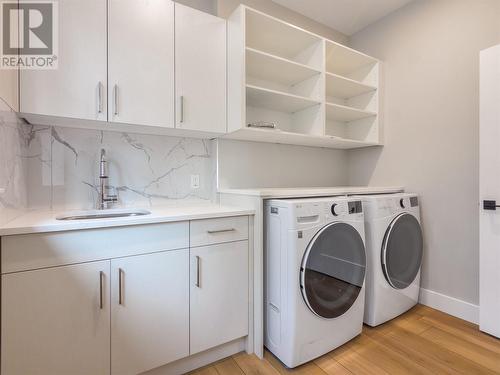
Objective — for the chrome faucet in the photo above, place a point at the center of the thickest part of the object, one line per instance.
(105, 200)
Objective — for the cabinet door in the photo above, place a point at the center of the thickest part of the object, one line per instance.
(77, 88)
(200, 70)
(219, 294)
(56, 321)
(141, 62)
(150, 311)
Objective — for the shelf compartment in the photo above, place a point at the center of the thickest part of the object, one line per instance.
(342, 113)
(268, 67)
(291, 138)
(345, 88)
(279, 38)
(277, 100)
(343, 60)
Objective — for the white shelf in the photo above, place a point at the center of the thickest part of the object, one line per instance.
(343, 60)
(272, 68)
(269, 34)
(345, 88)
(341, 113)
(277, 100)
(278, 136)
(317, 92)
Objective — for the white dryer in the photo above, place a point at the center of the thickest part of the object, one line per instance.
(394, 248)
(314, 275)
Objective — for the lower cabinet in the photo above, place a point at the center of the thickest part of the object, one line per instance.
(149, 311)
(56, 321)
(132, 310)
(219, 294)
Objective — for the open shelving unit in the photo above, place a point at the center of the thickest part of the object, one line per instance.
(313, 91)
(352, 94)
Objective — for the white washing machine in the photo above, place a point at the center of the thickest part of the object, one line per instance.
(314, 275)
(394, 248)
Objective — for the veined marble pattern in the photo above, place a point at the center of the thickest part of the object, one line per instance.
(144, 170)
(13, 189)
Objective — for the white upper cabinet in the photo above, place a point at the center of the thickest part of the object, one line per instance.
(141, 62)
(155, 65)
(200, 70)
(150, 311)
(77, 88)
(57, 321)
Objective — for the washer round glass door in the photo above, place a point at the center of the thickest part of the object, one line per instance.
(333, 270)
(402, 251)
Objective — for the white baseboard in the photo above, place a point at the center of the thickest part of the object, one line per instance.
(450, 305)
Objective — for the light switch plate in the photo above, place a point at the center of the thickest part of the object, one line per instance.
(195, 181)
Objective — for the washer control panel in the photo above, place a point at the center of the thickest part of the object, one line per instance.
(355, 207)
(339, 208)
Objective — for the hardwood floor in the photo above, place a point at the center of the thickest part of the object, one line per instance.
(422, 341)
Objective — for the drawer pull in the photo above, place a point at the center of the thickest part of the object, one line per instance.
(115, 100)
(221, 231)
(101, 282)
(99, 97)
(198, 265)
(120, 286)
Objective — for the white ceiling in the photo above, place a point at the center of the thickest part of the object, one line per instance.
(346, 16)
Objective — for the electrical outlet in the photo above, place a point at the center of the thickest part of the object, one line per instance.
(195, 181)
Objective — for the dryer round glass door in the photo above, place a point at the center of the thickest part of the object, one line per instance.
(333, 270)
(402, 251)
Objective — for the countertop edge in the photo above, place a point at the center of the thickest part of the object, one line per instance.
(268, 193)
(7, 230)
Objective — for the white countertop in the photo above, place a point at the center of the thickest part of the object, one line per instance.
(268, 193)
(39, 221)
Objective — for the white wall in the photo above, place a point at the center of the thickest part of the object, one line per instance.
(430, 50)
(253, 164)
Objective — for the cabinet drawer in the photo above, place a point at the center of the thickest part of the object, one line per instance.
(212, 231)
(40, 250)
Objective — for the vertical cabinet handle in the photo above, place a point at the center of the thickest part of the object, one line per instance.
(101, 284)
(120, 286)
(99, 97)
(115, 100)
(198, 269)
(182, 110)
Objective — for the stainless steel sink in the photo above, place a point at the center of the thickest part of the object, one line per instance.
(102, 214)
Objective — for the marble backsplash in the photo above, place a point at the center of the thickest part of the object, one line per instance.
(144, 170)
(59, 167)
(13, 167)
